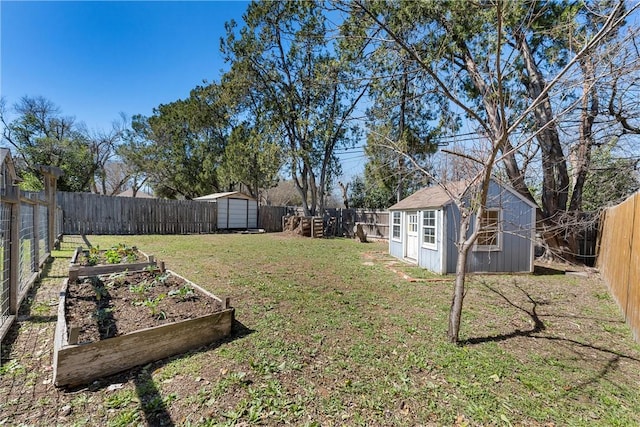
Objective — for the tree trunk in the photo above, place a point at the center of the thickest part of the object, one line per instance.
(464, 244)
(581, 154)
(345, 194)
(302, 185)
(555, 182)
(401, 138)
(455, 314)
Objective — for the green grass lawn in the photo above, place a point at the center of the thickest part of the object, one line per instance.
(327, 337)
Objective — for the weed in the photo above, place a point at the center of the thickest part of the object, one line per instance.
(158, 403)
(102, 314)
(100, 292)
(184, 293)
(117, 279)
(201, 398)
(81, 400)
(152, 304)
(12, 367)
(179, 366)
(31, 378)
(40, 308)
(140, 289)
(161, 278)
(125, 419)
(231, 381)
(112, 256)
(99, 288)
(238, 412)
(93, 256)
(44, 401)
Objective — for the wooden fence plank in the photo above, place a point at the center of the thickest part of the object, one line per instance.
(619, 258)
(86, 213)
(633, 299)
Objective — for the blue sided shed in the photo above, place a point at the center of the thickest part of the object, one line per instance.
(425, 227)
(236, 211)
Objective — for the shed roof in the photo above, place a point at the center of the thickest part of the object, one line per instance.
(5, 159)
(230, 194)
(436, 196)
(4, 152)
(431, 197)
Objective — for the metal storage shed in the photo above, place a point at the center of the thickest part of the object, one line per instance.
(235, 210)
(425, 226)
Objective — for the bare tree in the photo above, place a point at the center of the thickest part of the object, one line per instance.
(103, 146)
(477, 74)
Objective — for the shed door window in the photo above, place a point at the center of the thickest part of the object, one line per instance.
(429, 228)
(413, 223)
(396, 225)
(489, 235)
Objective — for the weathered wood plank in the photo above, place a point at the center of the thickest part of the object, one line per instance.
(76, 270)
(97, 270)
(78, 364)
(87, 213)
(60, 334)
(83, 363)
(619, 256)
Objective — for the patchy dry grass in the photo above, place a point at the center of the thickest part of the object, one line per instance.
(328, 334)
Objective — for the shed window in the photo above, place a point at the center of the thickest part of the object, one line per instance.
(429, 228)
(489, 235)
(396, 225)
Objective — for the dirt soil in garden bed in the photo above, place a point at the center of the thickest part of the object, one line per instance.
(116, 304)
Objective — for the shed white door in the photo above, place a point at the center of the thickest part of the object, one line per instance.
(412, 236)
(237, 213)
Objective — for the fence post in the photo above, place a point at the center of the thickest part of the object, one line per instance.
(51, 175)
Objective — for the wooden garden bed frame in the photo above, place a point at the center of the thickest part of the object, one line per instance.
(75, 364)
(76, 270)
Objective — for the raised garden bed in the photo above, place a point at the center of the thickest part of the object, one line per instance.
(93, 261)
(110, 323)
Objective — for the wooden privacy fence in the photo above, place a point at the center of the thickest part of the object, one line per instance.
(337, 222)
(375, 223)
(86, 213)
(342, 222)
(270, 217)
(28, 231)
(619, 258)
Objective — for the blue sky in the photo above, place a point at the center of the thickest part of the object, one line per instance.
(97, 59)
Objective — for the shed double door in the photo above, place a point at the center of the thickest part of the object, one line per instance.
(411, 249)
